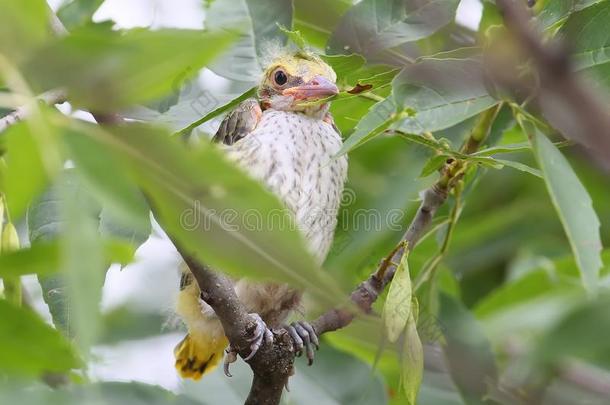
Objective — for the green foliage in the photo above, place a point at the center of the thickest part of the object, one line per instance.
(397, 308)
(74, 13)
(26, 175)
(260, 27)
(104, 70)
(574, 207)
(30, 347)
(442, 92)
(190, 191)
(471, 361)
(25, 20)
(522, 270)
(413, 361)
(374, 26)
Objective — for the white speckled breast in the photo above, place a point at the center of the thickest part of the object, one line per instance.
(292, 153)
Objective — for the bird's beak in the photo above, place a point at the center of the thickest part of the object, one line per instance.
(317, 88)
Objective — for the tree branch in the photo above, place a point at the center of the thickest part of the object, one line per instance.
(567, 101)
(52, 97)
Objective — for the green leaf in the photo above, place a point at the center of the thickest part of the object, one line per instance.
(530, 304)
(373, 26)
(259, 20)
(30, 347)
(586, 31)
(118, 251)
(386, 181)
(47, 222)
(84, 278)
(442, 92)
(471, 361)
(133, 393)
(102, 175)
(294, 36)
(580, 334)
(23, 26)
(44, 258)
(206, 205)
(104, 70)
(40, 258)
(412, 361)
(380, 79)
(344, 64)
(513, 148)
(338, 379)
(112, 226)
(516, 147)
(574, 207)
(317, 19)
(555, 11)
(217, 111)
(75, 13)
(378, 119)
(397, 307)
(520, 166)
(26, 175)
(432, 165)
(124, 323)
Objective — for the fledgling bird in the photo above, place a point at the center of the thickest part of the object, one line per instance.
(290, 147)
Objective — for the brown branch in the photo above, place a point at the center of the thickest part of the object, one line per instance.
(367, 292)
(565, 98)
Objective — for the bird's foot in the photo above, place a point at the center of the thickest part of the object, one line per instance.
(261, 334)
(305, 338)
(231, 357)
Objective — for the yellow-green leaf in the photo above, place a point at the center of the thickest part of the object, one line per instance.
(397, 308)
(412, 361)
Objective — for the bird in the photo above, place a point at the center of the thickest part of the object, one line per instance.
(286, 139)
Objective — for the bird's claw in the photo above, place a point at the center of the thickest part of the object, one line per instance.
(261, 334)
(304, 337)
(231, 357)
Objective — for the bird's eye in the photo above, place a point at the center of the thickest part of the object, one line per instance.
(280, 78)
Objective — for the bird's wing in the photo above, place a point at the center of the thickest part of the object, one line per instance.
(239, 122)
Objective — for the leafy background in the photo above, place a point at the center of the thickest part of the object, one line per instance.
(510, 304)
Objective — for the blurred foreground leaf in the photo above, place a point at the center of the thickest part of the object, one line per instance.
(31, 347)
(106, 70)
(23, 26)
(132, 393)
(47, 222)
(26, 174)
(74, 13)
(192, 192)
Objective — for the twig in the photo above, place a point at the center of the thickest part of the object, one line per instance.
(565, 98)
(429, 269)
(52, 97)
(367, 292)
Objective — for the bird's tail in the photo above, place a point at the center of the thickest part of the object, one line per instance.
(198, 354)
